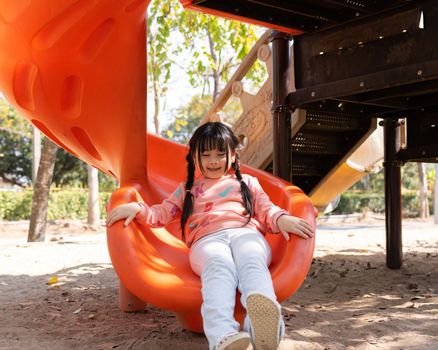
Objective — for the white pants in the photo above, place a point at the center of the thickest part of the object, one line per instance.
(226, 260)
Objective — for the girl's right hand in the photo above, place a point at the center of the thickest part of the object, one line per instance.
(293, 225)
(125, 211)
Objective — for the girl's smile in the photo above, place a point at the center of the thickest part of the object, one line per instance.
(214, 163)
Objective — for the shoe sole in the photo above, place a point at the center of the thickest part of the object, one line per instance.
(265, 319)
(239, 344)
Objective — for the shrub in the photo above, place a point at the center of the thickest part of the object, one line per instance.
(356, 202)
(63, 204)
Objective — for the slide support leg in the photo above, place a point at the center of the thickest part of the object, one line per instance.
(393, 207)
(282, 166)
(128, 302)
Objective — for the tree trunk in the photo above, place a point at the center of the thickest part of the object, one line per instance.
(155, 86)
(36, 153)
(93, 197)
(216, 77)
(157, 108)
(424, 204)
(41, 190)
(367, 182)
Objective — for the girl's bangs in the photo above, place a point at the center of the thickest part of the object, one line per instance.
(212, 142)
(215, 137)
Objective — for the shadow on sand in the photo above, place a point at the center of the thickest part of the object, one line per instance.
(349, 300)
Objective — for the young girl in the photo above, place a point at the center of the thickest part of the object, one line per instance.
(222, 215)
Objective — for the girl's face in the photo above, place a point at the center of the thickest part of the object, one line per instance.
(214, 163)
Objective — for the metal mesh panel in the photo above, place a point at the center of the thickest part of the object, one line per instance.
(308, 143)
(304, 167)
(333, 121)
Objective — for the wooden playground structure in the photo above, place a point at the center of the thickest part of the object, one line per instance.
(353, 62)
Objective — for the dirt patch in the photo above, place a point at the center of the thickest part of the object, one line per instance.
(350, 300)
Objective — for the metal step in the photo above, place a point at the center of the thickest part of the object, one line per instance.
(333, 121)
(315, 143)
(322, 139)
(305, 167)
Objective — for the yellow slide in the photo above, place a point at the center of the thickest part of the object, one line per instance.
(367, 158)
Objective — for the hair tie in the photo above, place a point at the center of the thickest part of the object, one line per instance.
(188, 191)
(241, 180)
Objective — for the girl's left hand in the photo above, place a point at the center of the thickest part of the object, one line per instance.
(126, 211)
(292, 224)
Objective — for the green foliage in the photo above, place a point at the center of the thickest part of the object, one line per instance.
(217, 46)
(187, 118)
(370, 182)
(409, 177)
(15, 205)
(357, 202)
(63, 204)
(255, 77)
(107, 183)
(15, 146)
(69, 171)
(368, 194)
(11, 121)
(430, 175)
(16, 155)
(161, 21)
(72, 172)
(73, 204)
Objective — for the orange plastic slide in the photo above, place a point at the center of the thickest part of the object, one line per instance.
(77, 70)
(154, 265)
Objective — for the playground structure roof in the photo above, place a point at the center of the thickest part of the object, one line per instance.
(296, 16)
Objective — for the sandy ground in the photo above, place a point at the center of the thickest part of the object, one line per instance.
(350, 300)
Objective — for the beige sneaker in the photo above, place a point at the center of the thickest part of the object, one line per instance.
(265, 318)
(235, 341)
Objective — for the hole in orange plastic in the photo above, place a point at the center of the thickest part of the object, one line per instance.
(82, 137)
(71, 96)
(96, 40)
(51, 136)
(59, 25)
(25, 75)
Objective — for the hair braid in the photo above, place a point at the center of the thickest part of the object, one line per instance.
(188, 196)
(246, 193)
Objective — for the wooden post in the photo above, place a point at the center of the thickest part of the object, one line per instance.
(282, 166)
(393, 209)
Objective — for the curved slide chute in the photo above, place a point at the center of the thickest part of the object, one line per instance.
(153, 263)
(77, 70)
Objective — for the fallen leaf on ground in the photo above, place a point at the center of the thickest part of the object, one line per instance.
(52, 280)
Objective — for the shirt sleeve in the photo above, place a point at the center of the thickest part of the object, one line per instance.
(160, 215)
(265, 212)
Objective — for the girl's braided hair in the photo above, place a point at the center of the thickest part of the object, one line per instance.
(209, 136)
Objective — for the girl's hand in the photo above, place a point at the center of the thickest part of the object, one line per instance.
(128, 211)
(291, 224)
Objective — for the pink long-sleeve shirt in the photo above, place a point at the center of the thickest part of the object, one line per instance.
(218, 205)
